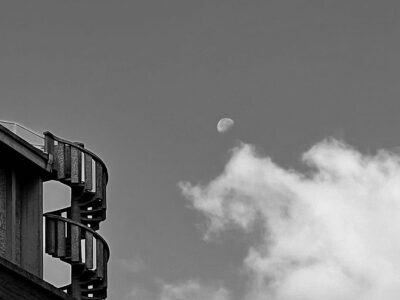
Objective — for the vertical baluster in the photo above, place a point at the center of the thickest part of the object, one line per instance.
(89, 249)
(88, 173)
(99, 258)
(59, 160)
(104, 193)
(75, 165)
(105, 269)
(67, 161)
(50, 236)
(49, 143)
(60, 238)
(104, 189)
(99, 180)
(75, 243)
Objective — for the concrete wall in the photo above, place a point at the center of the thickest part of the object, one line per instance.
(17, 284)
(21, 197)
(3, 199)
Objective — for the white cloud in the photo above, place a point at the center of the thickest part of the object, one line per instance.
(138, 292)
(132, 265)
(330, 233)
(192, 290)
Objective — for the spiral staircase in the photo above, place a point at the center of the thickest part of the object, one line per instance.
(71, 233)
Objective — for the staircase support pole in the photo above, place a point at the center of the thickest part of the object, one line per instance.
(76, 193)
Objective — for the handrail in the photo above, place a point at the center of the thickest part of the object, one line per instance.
(59, 211)
(23, 127)
(94, 156)
(95, 234)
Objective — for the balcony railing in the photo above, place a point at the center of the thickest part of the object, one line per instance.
(31, 136)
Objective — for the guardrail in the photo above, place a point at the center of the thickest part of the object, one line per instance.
(34, 138)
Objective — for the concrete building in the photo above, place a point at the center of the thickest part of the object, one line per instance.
(70, 233)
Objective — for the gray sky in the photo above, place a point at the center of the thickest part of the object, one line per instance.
(144, 83)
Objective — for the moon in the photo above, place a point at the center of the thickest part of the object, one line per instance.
(224, 125)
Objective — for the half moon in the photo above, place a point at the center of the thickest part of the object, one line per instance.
(224, 125)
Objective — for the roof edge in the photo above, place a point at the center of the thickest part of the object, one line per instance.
(24, 148)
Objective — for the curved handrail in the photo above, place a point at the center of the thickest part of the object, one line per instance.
(95, 234)
(94, 156)
(59, 211)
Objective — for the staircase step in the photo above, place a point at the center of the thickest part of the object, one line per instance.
(87, 195)
(92, 298)
(94, 290)
(92, 211)
(91, 220)
(90, 281)
(91, 202)
(86, 275)
(97, 291)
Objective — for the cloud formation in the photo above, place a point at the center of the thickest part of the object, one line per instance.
(132, 265)
(330, 233)
(193, 290)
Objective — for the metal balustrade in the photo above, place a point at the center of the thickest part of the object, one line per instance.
(26, 133)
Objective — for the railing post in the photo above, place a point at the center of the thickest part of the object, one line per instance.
(76, 193)
(75, 287)
(48, 143)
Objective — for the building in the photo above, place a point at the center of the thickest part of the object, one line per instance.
(70, 233)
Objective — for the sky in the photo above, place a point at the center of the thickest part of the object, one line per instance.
(312, 88)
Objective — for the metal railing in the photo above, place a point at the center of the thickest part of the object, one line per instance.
(34, 138)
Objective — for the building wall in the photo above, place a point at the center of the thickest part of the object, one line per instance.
(3, 195)
(29, 219)
(21, 196)
(17, 284)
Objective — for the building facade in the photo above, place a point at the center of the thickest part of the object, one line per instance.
(70, 232)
